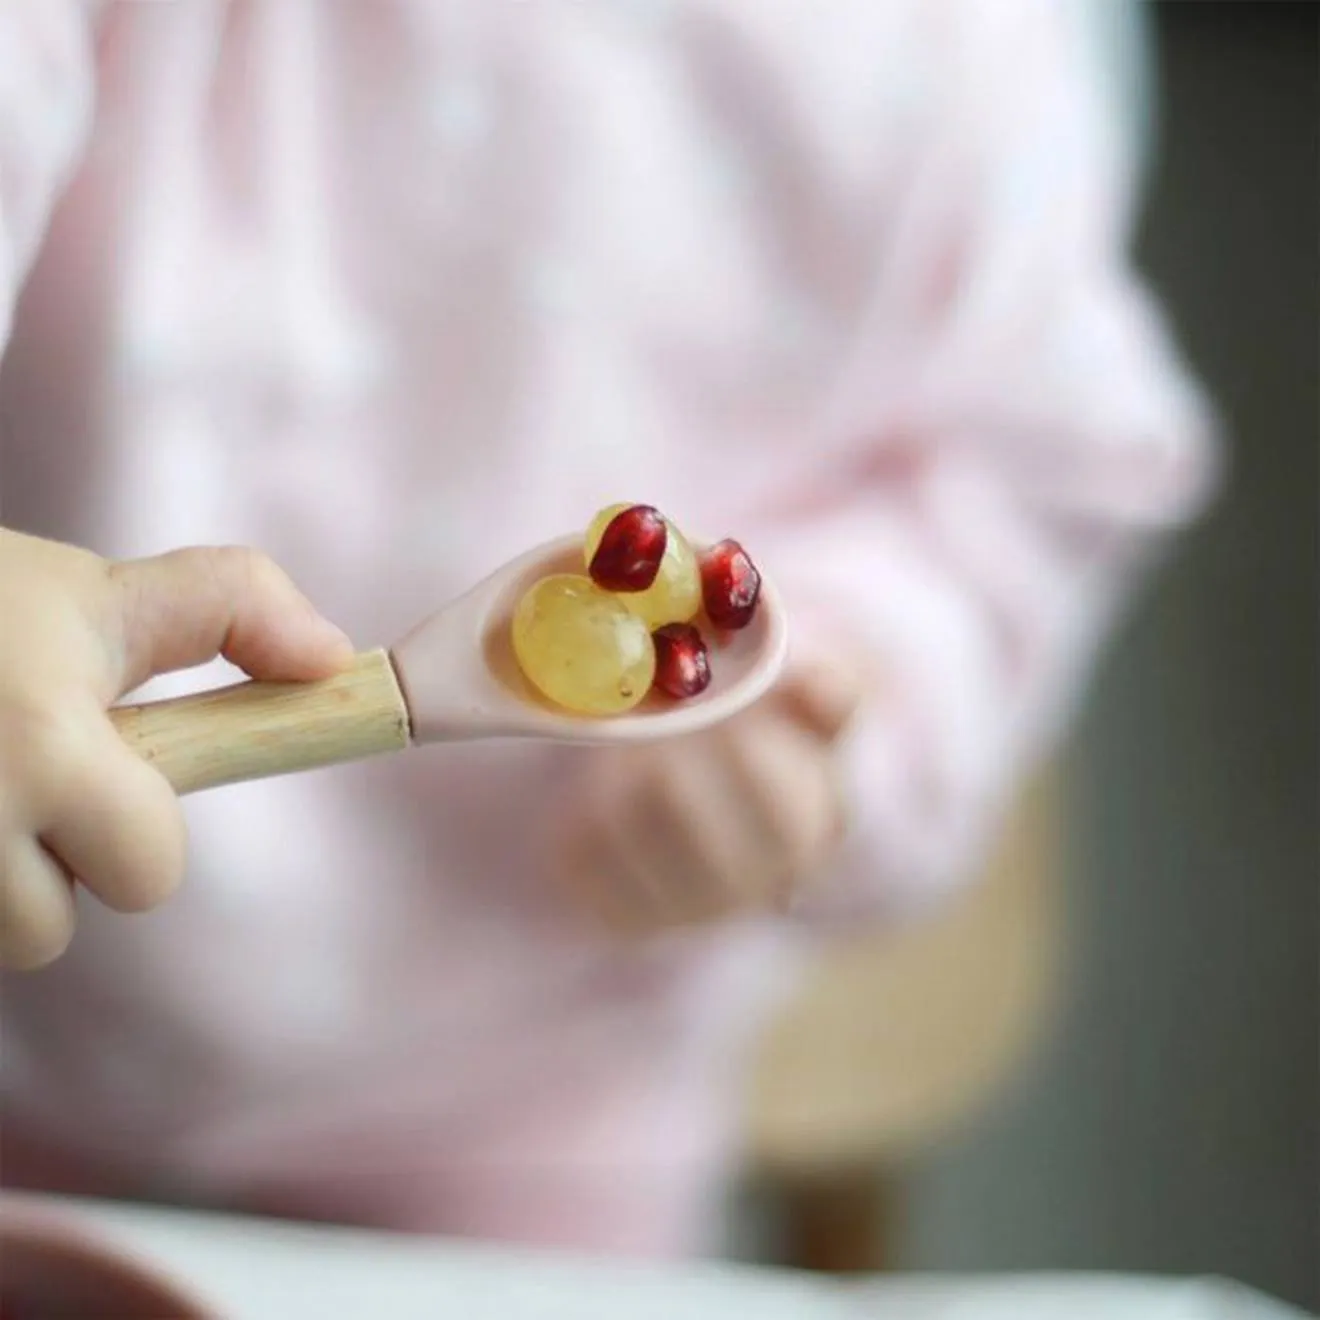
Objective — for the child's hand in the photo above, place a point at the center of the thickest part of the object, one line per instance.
(77, 632)
(733, 821)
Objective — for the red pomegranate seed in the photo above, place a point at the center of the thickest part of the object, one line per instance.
(682, 663)
(630, 550)
(730, 585)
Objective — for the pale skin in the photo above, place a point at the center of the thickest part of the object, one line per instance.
(734, 821)
(731, 822)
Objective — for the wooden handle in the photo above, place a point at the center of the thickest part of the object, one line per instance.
(256, 730)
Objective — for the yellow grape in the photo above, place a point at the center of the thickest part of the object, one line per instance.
(675, 595)
(579, 647)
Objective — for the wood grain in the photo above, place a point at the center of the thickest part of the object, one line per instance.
(256, 730)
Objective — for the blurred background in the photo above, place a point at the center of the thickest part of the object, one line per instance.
(1130, 1079)
(1106, 1056)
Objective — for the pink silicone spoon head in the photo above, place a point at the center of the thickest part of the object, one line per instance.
(461, 680)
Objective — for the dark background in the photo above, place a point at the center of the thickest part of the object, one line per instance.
(1173, 1123)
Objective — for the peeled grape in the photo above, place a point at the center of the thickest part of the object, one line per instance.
(581, 648)
(675, 595)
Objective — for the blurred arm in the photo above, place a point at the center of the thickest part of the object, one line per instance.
(1012, 438)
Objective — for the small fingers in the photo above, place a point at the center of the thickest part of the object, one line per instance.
(704, 830)
(685, 829)
(185, 607)
(115, 823)
(599, 858)
(37, 911)
(792, 806)
(105, 815)
(738, 826)
(822, 695)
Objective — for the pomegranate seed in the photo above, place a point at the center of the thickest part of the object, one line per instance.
(682, 663)
(730, 585)
(630, 550)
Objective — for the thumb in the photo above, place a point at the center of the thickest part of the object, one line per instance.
(186, 607)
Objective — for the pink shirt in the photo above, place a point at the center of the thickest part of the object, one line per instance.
(395, 289)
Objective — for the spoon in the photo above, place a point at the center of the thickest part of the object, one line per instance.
(454, 678)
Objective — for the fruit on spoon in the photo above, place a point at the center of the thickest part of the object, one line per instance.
(631, 546)
(682, 660)
(730, 585)
(674, 595)
(579, 647)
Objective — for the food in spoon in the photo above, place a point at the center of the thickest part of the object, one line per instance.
(674, 595)
(581, 648)
(628, 552)
(596, 644)
(730, 585)
(682, 660)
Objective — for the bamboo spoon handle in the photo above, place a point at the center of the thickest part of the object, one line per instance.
(255, 730)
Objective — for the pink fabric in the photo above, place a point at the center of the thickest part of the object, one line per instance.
(395, 288)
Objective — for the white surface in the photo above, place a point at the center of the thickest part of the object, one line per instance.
(259, 1270)
(1064, 1297)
